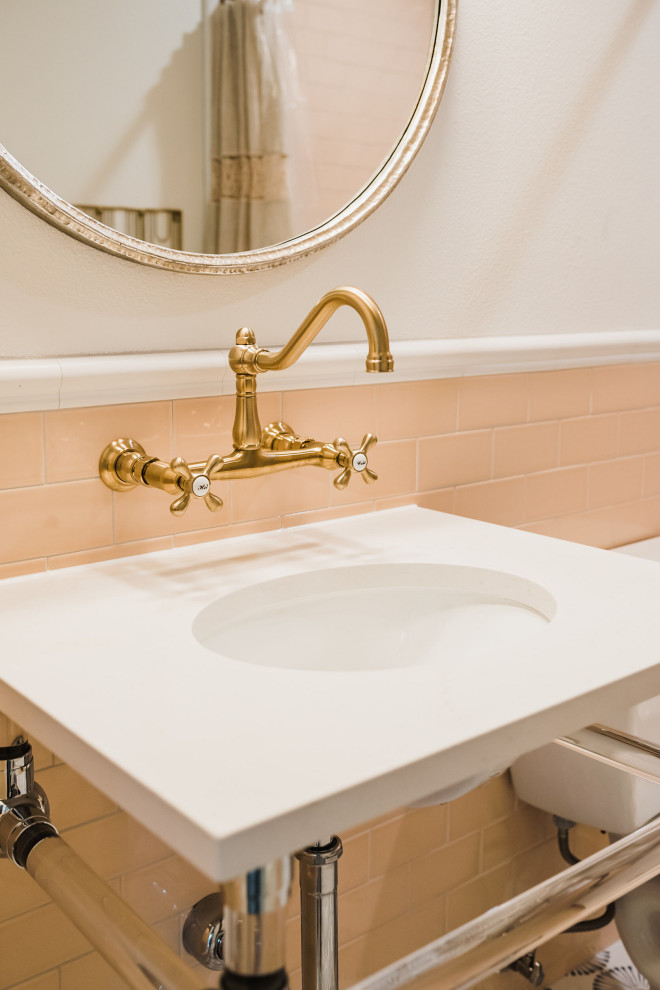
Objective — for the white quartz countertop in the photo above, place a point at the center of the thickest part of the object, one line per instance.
(234, 763)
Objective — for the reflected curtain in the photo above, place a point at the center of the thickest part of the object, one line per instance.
(249, 199)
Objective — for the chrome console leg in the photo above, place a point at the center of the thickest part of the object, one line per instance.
(254, 924)
(318, 914)
(31, 841)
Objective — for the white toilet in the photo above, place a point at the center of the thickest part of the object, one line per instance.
(580, 789)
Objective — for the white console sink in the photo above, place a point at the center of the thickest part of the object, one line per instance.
(245, 697)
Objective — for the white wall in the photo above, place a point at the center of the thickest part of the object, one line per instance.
(533, 207)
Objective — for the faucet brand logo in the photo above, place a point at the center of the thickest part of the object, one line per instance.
(201, 485)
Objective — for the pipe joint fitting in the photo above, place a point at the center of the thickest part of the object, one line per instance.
(24, 809)
(323, 855)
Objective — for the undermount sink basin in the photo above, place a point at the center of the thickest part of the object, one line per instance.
(244, 697)
(388, 616)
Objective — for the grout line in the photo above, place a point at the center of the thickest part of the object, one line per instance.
(44, 479)
(172, 451)
(644, 474)
(591, 391)
(37, 976)
(528, 414)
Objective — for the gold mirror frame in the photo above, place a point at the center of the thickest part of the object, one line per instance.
(37, 197)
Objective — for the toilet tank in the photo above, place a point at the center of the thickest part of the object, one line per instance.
(573, 786)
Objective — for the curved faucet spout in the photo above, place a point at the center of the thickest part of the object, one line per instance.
(125, 463)
(248, 359)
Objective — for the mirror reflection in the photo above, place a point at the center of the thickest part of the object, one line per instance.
(214, 126)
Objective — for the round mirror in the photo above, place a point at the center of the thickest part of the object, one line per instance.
(216, 136)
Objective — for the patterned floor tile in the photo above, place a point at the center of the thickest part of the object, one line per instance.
(611, 969)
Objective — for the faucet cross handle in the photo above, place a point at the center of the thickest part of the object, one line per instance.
(354, 460)
(194, 484)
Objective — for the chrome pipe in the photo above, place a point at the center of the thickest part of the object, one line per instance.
(124, 940)
(616, 749)
(318, 915)
(497, 938)
(254, 920)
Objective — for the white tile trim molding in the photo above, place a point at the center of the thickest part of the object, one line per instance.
(67, 383)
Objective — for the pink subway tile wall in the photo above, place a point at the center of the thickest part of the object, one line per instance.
(572, 454)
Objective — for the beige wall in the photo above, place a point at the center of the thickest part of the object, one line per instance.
(531, 208)
(573, 454)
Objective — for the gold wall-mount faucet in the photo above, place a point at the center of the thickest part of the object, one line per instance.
(124, 463)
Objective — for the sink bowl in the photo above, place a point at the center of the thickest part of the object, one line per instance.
(393, 615)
